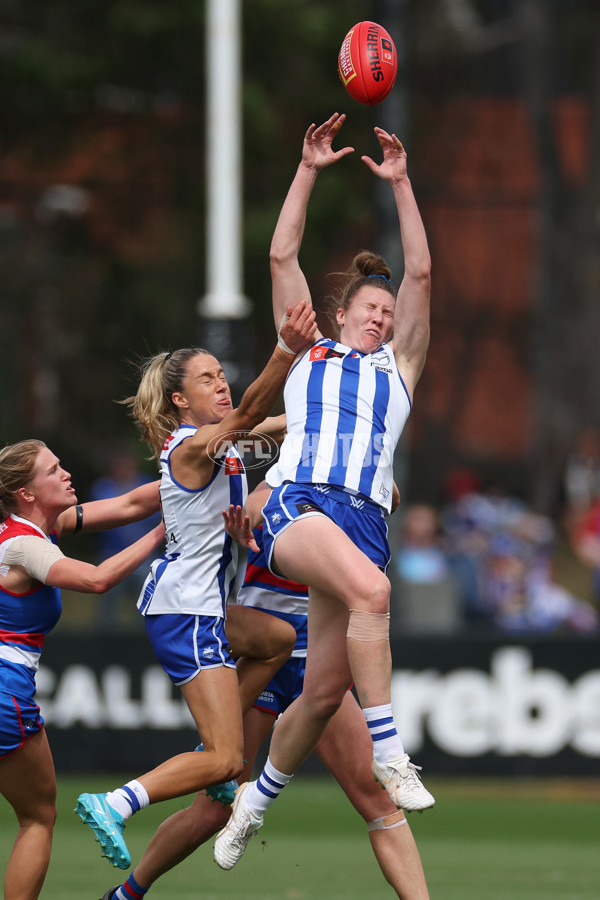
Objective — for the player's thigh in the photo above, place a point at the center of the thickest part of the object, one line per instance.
(315, 551)
(28, 780)
(213, 698)
(256, 634)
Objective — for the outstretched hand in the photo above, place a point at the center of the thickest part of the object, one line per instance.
(237, 526)
(298, 327)
(393, 167)
(317, 152)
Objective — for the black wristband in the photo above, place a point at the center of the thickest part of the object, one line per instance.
(79, 519)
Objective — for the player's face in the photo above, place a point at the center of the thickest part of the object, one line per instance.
(206, 398)
(369, 320)
(51, 484)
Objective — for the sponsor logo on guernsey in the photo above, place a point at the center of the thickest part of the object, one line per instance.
(306, 507)
(233, 466)
(317, 354)
(267, 696)
(167, 442)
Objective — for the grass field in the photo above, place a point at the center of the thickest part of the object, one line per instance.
(488, 840)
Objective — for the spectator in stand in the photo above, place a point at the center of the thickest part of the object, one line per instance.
(582, 505)
(421, 557)
(582, 473)
(519, 583)
(507, 552)
(463, 524)
(584, 535)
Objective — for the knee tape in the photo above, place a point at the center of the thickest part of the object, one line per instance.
(385, 822)
(368, 626)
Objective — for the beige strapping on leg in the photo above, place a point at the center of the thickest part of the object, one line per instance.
(368, 626)
(385, 822)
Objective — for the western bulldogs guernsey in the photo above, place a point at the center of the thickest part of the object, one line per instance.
(279, 596)
(25, 620)
(196, 573)
(345, 413)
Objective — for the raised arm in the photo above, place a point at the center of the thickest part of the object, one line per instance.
(195, 456)
(289, 283)
(411, 315)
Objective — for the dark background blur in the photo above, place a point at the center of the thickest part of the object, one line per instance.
(103, 218)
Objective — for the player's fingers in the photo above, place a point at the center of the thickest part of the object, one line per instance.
(370, 163)
(345, 151)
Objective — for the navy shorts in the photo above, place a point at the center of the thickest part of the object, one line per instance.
(284, 687)
(186, 644)
(363, 521)
(19, 720)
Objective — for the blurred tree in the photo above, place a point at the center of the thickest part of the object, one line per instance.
(102, 199)
(541, 53)
(567, 314)
(102, 192)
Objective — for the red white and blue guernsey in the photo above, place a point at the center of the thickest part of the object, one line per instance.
(278, 596)
(196, 574)
(345, 413)
(25, 620)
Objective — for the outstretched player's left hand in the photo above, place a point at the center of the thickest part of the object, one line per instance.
(393, 167)
(299, 327)
(237, 525)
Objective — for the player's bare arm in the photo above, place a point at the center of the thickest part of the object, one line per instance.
(411, 314)
(289, 283)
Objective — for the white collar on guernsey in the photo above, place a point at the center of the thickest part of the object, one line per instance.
(31, 525)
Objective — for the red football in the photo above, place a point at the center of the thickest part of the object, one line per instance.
(368, 63)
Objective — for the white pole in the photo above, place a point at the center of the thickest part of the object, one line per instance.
(224, 298)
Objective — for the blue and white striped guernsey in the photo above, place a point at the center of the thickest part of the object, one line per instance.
(345, 413)
(196, 573)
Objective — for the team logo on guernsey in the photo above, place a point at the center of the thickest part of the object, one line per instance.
(381, 361)
(319, 353)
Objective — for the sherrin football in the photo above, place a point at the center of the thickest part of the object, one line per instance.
(368, 63)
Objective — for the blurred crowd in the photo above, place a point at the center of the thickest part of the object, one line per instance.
(490, 560)
(482, 560)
